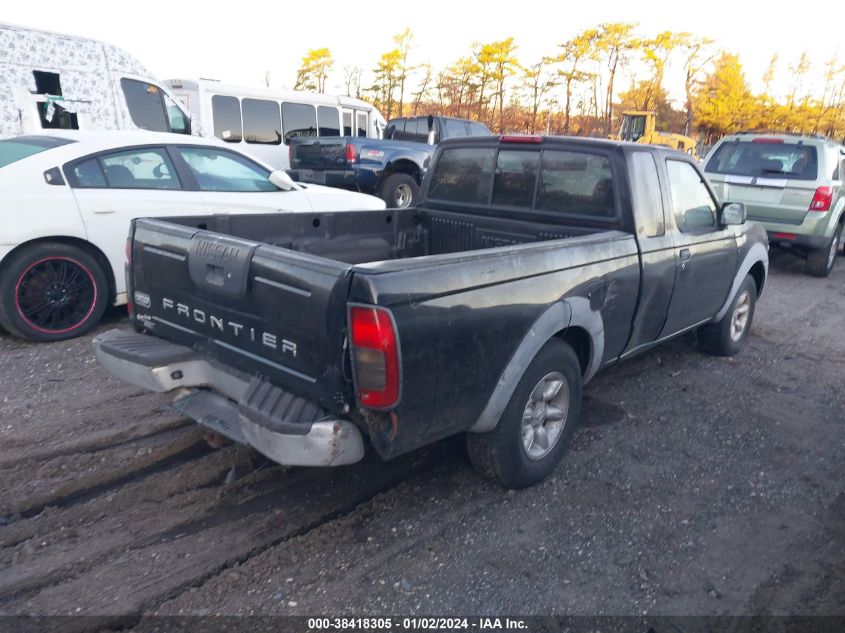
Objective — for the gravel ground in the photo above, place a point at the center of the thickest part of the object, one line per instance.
(696, 485)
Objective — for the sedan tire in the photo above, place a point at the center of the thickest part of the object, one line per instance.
(52, 292)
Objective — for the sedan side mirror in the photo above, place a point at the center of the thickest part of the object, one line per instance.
(282, 180)
(732, 214)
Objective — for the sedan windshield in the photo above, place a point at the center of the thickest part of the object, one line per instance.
(15, 149)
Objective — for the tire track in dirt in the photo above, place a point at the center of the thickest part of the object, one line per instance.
(211, 530)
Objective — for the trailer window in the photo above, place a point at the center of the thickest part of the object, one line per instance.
(145, 104)
(328, 121)
(576, 183)
(463, 175)
(262, 121)
(226, 112)
(347, 124)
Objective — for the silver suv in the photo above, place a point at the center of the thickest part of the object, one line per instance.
(792, 184)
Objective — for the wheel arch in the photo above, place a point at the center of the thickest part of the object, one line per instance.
(570, 320)
(76, 242)
(402, 166)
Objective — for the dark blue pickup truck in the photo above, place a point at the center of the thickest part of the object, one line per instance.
(391, 168)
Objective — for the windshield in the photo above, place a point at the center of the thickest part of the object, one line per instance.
(15, 149)
(765, 159)
(633, 128)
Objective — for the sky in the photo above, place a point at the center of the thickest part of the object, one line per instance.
(239, 42)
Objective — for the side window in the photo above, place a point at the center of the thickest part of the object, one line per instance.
(298, 119)
(262, 122)
(140, 169)
(455, 129)
(88, 174)
(226, 112)
(576, 183)
(179, 123)
(648, 201)
(145, 104)
(347, 123)
(694, 207)
(463, 175)
(361, 118)
(328, 121)
(218, 170)
(148, 168)
(515, 178)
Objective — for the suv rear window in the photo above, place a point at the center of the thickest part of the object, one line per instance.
(765, 159)
(15, 149)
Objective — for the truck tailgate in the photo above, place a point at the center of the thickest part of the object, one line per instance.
(247, 304)
(318, 153)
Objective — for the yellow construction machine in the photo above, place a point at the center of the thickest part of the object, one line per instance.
(639, 126)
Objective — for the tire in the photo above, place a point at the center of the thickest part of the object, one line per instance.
(52, 292)
(505, 453)
(820, 262)
(400, 191)
(727, 337)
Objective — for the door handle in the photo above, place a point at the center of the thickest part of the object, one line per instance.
(685, 255)
(103, 210)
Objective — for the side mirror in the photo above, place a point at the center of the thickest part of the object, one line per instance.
(732, 214)
(282, 180)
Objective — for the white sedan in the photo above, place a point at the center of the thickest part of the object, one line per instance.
(67, 199)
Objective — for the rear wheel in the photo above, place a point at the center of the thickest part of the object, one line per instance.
(52, 292)
(537, 425)
(820, 262)
(400, 191)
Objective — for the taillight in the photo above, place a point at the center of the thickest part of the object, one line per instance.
(375, 355)
(822, 199)
(351, 153)
(518, 138)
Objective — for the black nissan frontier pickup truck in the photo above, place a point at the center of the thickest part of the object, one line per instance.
(530, 264)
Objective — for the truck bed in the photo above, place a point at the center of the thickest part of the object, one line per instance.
(356, 237)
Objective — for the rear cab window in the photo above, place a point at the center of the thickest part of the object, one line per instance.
(765, 158)
(15, 149)
(552, 182)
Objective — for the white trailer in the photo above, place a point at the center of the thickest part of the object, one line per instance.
(55, 81)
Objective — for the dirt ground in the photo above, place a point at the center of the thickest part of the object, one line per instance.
(697, 485)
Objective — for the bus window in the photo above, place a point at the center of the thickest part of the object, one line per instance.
(362, 123)
(298, 119)
(226, 112)
(328, 121)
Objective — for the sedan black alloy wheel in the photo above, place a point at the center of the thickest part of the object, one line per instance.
(55, 295)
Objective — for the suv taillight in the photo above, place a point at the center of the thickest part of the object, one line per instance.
(351, 153)
(375, 355)
(822, 199)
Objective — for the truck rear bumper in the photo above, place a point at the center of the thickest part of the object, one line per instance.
(250, 411)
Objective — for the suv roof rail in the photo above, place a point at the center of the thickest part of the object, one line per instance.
(783, 133)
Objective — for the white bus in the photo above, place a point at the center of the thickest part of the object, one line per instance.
(261, 121)
(55, 81)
